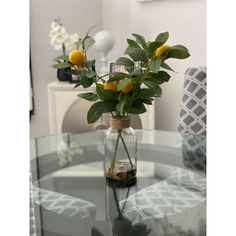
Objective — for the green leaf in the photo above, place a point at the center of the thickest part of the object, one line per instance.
(61, 65)
(137, 76)
(162, 38)
(148, 43)
(116, 76)
(136, 89)
(177, 52)
(98, 108)
(147, 101)
(154, 87)
(137, 54)
(86, 82)
(90, 64)
(137, 108)
(160, 77)
(167, 67)
(95, 112)
(96, 232)
(122, 84)
(146, 93)
(132, 43)
(140, 39)
(129, 68)
(152, 48)
(89, 96)
(179, 47)
(124, 61)
(62, 57)
(105, 94)
(78, 83)
(100, 91)
(90, 74)
(123, 102)
(88, 42)
(163, 76)
(155, 64)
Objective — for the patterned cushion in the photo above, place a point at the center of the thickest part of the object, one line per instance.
(181, 190)
(63, 204)
(32, 214)
(193, 108)
(194, 152)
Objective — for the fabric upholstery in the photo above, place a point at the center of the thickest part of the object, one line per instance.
(32, 213)
(63, 204)
(181, 190)
(193, 107)
(193, 118)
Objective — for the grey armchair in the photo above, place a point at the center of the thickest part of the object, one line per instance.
(193, 118)
(193, 107)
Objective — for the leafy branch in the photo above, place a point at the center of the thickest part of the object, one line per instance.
(146, 69)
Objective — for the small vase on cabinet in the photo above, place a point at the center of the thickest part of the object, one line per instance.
(121, 153)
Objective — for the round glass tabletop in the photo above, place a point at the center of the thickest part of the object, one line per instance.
(71, 196)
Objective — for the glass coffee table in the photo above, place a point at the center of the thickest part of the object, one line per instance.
(71, 196)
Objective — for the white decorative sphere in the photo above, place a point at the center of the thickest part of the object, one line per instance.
(104, 41)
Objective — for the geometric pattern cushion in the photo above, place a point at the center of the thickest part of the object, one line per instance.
(193, 107)
(32, 214)
(181, 190)
(63, 204)
(194, 152)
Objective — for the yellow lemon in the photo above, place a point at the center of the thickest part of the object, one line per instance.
(110, 86)
(128, 87)
(161, 49)
(76, 57)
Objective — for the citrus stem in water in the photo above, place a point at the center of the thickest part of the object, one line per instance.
(126, 150)
(114, 155)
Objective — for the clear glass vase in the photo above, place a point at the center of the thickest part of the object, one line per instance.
(121, 153)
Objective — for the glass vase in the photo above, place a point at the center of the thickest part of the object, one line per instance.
(121, 153)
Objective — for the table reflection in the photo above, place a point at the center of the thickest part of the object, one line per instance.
(71, 195)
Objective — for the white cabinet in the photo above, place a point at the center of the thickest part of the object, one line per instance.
(61, 95)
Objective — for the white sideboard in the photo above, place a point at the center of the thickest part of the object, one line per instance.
(62, 94)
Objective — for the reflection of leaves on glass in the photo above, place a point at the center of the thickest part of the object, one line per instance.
(140, 230)
(168, 229)
(96, 232)
(124, 227)
(202, 227)
(121, 225)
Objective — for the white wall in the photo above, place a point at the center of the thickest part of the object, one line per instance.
(186, 22)
(184, 19)
(77, 16)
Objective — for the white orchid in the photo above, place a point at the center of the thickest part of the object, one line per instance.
(65, 152)
(76, 148)
(58, 34)
(71, 41)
